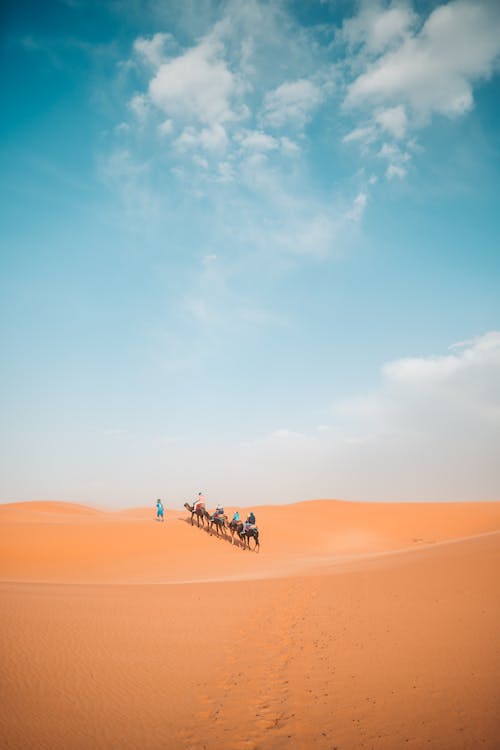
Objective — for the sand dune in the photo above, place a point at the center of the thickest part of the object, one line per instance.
(356, 626)
(60, 542)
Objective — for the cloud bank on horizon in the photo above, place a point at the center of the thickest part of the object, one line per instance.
(243, 239)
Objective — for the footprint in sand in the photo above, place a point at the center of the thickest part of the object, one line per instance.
(207, 709)
(224, 683)
(264, 724)
(186, 738)
(185, 735)
(206, 714)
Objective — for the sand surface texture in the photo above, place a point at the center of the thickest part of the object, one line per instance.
(355, 626)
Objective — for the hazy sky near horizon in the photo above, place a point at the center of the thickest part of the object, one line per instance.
(250, 248)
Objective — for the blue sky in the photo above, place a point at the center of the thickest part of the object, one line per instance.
(250, 248)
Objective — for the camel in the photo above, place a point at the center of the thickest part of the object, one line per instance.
(236, 527)
(220, 522)
(251, 533)
(200, 513)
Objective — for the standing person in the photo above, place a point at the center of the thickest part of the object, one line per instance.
(159, 510)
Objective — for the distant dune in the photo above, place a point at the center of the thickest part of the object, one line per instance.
(60, 542)
(357, 625)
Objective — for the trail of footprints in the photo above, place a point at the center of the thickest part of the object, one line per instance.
(253, 680)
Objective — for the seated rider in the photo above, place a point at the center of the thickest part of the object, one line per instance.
(236, 517)
(219, 511)
(199, 503)
(249, 522)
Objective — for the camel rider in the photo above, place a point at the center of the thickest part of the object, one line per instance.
(219, 511)
(236, 517)
(249, 522)
(199, 503)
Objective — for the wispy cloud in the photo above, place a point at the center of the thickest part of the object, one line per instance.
(430, 432)
(234, 130)
(291, 104)
(434, 69)
(129, 177)
(197, 86)
(407, 69)
(224, 115)
(377, 28)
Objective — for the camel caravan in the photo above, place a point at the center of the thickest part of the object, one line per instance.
(246, 532)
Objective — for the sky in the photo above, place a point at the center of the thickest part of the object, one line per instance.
(250, 248)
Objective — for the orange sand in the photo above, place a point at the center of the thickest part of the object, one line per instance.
(357, 625)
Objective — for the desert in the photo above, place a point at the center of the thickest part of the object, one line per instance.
(250, 255)
(355, 625)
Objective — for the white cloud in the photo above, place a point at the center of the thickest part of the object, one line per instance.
(139, 106)
(364, 134)
(256, 140)
(291, 104)
(430, 432)
(213, 139)
(440, 418)
(166, 127)
(225, 172)
(187, 139)
(314, 231)
(152, 50)
(393, 120)
(206, 91)
(389, 151)
(196, 86)
(396, 158)
(470, 365)
(395, 170)
(289, 147)
(201, 161)
(377, 28)
(407, 69)
(357, 209)
(233, 118)
(434, 70)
